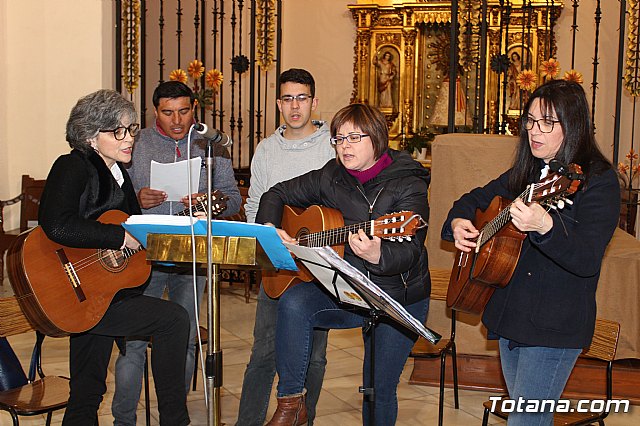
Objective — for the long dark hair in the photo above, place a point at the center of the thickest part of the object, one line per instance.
(579, 145)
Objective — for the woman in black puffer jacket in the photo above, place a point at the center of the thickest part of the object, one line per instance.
(366, 181)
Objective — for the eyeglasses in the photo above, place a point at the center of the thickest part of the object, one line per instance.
(287, 99)
(544, 124)
(121, 132)
(351, 137)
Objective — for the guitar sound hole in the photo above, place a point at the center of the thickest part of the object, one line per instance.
(112, 260)
(302, 233)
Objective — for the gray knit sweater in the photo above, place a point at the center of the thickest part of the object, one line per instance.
(152, 145)
(278, 159)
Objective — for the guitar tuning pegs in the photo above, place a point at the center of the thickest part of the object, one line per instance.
(560, 204)
(408, 238)
(569, 202)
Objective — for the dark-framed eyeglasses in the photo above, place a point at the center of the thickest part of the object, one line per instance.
(544, 124)
(121, 132)
(303, 98)
(351, 137)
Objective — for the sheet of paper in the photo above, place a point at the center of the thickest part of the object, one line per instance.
(326, 275)
(172, 178)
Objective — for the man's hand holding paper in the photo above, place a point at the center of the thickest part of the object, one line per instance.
(172, 178)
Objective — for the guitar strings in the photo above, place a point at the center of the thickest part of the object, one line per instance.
(491, 228)
(97, 257)
(125, 253)
(332, 236)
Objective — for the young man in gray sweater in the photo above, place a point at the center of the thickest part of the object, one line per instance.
(166, 142)
(298, 146)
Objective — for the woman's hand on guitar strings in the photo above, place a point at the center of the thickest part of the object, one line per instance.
(530, 218)
(286, 238)
(463, 233)
(130, 242)
(365, 247)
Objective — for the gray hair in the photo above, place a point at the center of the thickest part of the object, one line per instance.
(101, 110)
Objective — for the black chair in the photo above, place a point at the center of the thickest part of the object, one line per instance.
(425, 349)
(603, 347)
(26, 395)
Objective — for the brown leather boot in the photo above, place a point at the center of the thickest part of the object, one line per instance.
(291, 411)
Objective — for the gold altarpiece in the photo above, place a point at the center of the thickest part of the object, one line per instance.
(402, 59)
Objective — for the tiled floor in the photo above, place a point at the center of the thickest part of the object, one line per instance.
(339, 402)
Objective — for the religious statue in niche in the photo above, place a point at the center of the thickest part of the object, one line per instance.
(437, 55)
(386, 78)
(516, 65)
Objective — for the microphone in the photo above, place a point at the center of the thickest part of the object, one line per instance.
(214, 135)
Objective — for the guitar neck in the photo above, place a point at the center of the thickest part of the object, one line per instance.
(332, 237)
(198, 207)
(497, 223)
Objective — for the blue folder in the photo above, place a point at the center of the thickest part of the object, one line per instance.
(266, 235)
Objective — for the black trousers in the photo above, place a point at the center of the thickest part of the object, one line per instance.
(166, 323)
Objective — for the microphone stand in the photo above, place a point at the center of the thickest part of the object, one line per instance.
(213, 363)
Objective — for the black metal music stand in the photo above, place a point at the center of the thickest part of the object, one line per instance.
(338, 277)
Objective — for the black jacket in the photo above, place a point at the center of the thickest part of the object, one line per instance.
(79, 189)
(551, 298)
(403, 271)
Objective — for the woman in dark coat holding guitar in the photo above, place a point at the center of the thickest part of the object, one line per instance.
(546, 314)
(80, 187)
(367, 180)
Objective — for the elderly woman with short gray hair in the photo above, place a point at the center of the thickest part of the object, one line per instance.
(81, 186)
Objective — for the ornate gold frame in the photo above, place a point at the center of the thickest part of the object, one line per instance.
(400, 26)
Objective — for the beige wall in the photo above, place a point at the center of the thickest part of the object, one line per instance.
(72, 41)
(319, 35)
(51, 53)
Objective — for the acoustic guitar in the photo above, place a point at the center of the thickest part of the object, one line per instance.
(64, 290)
(320, 226)
(476, 275)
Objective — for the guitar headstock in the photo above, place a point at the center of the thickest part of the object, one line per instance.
(554, 189)
(398, 226)
(218, 204)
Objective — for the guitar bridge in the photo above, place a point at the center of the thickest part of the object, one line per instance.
(71, 275)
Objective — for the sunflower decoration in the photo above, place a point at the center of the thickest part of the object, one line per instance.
(574, 76)
(526, 80)
(213, 79)
(630, 169)
(178, 75)
(195, 71)
(550, 68)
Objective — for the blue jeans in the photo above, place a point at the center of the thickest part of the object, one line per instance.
(535, 372)
(130, 367)
(258, 377)
(306, 306)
